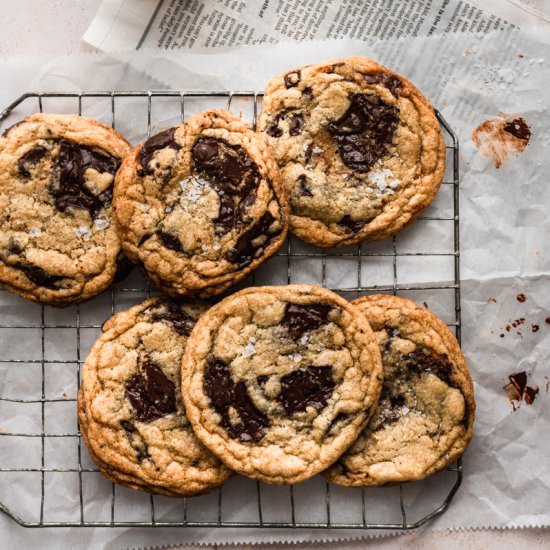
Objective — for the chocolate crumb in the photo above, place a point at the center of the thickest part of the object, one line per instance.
(517, 389)
(534, 328)
(521, 297)
(501, 335)
(547, 320)
(425, 304)
(492, 300)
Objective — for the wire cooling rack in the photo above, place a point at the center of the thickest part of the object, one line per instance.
(46, 476)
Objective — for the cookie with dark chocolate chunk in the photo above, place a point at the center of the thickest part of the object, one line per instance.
(426, 410)
(360, 149)
(201, 205)
(58, 244)
(279, 381)
(131, 410)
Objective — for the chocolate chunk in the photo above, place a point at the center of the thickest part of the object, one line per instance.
(293, 79)
(225, 165)
(299, 319)
(40, 277)
(129, 428)
(364, 131)
(530, 394)
(232, 173)
(518, 128)
(245, 250)
(306, 387)
(391, 82)
(172, 313)
(123, 267)
(151, 393)
(30, 158)
(67, 184)
(155, 143)
(224, 395)
(262, 379)
(295, 124)
(351, 225)
(226, 217)
(14, 247)
(308, 92)
(302, 186)
(423, 361)
(274, 130)
(169, 241)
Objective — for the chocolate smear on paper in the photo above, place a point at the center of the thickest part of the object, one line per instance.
(501, 137)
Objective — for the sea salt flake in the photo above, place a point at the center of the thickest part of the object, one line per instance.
(317, 150)
(296, 357)
(101, 223)
(35, 232)
(253, 339)
(216, 247)
(249, 350)
(304, 339)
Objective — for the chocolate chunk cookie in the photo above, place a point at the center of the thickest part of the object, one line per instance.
(57, 242)
(131, 411)
(425, 415)
(201, 205)
(360, 150)
(279, 381)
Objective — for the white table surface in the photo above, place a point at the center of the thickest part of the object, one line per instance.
(54, 27)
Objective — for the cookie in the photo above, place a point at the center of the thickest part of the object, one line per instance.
(425, 415)
(279, 381)
(359, 147)
(57, 242)
(131, 411)
(200, 205)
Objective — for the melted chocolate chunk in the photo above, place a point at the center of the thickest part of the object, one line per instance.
(393, 84)
(232, 173)
(306, 387)
(365, 131)
(350, 225)
(129, 428)
(226, 218)
(245, 250)
(295, 124)
(170, 312)
(151, 393)
(14, 247)
(40, 277)
(225, 395)
(518, 128)
(308, 91)
(422, 361)
(155, 143)
(169, 241)
(67, 185)
(299, 319)
(262, 379)
(30, 158)
(293, 79)
(303, 188)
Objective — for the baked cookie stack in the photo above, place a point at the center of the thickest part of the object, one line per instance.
(276, 383)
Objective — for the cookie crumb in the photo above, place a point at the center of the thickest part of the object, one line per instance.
(521, 297)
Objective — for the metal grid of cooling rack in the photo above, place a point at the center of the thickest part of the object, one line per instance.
(407, 507)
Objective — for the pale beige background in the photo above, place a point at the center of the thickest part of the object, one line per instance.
(54, 27)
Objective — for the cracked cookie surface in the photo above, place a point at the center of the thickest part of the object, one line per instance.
(360, 149)
(57, 242)
(279, 381)
(424, 419)
(201, 205)
(131, 411)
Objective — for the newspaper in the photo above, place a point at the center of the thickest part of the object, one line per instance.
(175, 24)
